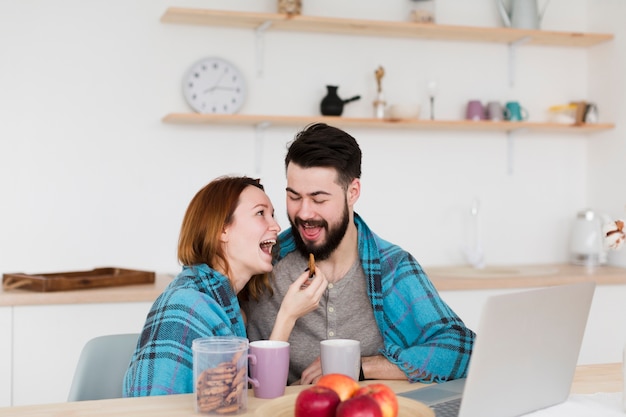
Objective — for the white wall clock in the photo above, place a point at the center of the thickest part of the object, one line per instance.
(214, 85)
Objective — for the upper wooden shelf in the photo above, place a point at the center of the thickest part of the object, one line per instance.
(346, 122)
(274, 21)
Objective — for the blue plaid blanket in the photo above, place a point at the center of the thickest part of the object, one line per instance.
(200, 302)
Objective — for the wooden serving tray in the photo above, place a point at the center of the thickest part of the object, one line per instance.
(79, 280)
(285, 406)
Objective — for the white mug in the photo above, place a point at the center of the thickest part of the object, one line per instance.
(341, 356)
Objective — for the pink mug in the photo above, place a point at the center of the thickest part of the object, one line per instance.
(269, 368)
(475, 110)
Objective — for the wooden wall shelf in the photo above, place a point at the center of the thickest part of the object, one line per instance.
(262, 22)
(346, 122)
(317, 24)
(274, 21)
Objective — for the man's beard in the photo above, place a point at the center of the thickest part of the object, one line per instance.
(334, 236)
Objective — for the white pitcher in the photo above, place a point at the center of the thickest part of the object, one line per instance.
(522, 14)
(587, 244)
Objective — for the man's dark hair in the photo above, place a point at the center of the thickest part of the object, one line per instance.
(321, 145)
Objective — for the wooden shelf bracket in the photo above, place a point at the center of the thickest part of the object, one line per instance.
(260, 46)
(510, 148)
(512, 49)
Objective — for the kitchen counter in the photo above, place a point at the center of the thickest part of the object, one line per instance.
(507, 277)
(119, 294)
(444, 279)
(466, 290)
(65, 321)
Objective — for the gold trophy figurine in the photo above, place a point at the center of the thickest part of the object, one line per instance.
(379, 103)
(290, 7)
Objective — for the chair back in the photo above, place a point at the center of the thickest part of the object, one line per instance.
(101, 367)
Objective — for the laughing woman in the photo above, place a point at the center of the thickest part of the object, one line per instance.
(225, 248)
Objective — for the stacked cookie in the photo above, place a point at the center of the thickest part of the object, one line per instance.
(220, 389)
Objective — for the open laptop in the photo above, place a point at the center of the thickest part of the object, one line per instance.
(524, 355)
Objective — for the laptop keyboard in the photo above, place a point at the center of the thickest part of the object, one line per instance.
(447, 408)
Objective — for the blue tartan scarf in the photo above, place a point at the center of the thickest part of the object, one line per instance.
(422, 335)
(200, 302)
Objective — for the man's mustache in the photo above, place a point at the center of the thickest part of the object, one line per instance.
(311, 223)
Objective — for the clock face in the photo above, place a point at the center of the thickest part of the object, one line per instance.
(213, 85)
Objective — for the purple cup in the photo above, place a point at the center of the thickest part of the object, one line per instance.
(269, 367)
(475, 110)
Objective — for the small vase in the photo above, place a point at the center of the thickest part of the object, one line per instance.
(380, 106)
(331, 104)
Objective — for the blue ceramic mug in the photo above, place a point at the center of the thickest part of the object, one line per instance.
(514, 112)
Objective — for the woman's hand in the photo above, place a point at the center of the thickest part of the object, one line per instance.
(303, 296)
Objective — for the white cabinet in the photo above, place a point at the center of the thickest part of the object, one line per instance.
(47, 340)
(605, 334)
(5, 356)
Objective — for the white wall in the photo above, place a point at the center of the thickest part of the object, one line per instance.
(607, 154)
(90, 176)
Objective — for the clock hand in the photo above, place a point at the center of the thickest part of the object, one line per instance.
(217, 83)
(219, 87)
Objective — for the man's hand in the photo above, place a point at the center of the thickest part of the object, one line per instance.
(374, 367)
(312, 373)
(379, 367)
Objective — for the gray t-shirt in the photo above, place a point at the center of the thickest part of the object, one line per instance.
(345, 312)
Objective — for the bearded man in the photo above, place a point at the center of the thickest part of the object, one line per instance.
(377, 292)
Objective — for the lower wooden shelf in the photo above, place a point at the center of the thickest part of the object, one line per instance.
(466, 125)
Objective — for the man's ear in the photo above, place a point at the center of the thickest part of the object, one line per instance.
(354, 191)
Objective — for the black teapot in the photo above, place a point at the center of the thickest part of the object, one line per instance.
(331, 104)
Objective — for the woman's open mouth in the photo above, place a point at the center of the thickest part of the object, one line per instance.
(267, 245)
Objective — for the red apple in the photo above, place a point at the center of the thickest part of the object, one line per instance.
(316, 402)
(342, 384)
(361, 406)
(384, 396)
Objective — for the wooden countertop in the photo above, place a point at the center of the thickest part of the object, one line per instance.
(444, 279)
(121, 294)
(507, 277)
(588, 379)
